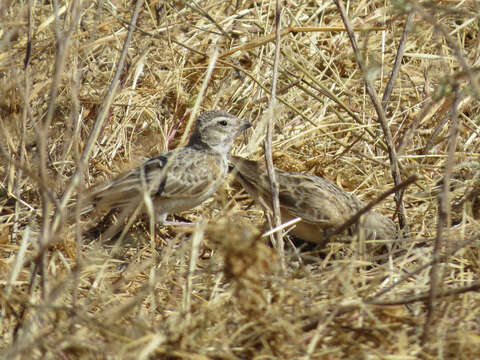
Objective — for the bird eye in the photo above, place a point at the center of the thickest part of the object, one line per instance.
(223, 122)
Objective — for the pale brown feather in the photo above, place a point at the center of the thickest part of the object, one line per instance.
(321, 204)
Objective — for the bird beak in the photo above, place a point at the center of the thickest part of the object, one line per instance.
(246, 125)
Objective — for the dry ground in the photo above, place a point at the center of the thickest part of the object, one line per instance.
(220, 292)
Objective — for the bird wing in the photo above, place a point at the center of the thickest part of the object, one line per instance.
(193, 174)
(314, 199)
(319, 201)
(127, 187)
(173, 175)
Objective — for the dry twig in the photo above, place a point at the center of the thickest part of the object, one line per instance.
(381, 118)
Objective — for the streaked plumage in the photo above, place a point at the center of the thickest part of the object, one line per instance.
(179, 179)
(321, 204)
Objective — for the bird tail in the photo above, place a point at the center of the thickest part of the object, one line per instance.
(379, 226)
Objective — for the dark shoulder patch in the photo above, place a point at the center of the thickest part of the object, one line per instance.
(153, 168)
(154, 164)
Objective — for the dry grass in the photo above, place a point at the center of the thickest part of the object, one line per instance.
(219, 292)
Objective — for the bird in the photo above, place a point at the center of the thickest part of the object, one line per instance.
(177, 180)
(321, 205)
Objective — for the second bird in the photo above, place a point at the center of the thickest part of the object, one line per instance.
(320, 204)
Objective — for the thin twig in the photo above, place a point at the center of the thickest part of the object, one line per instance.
(381, 117)
(426, 111)
(439, 126)
(268, 142)
(370, 206)
(99, 121)
(443, 218)
(42, 129)
(426, 296)
(25, 116)
(398, 62)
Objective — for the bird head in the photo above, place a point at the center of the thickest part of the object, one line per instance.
(216, 129)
